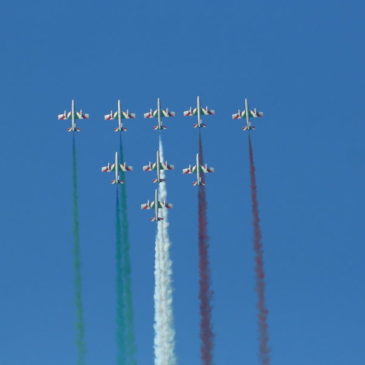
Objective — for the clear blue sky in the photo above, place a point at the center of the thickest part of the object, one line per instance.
(301, 62)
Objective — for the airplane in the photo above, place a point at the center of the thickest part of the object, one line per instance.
(158, 166)
(156, 204)
(116, 166)
(73, 115)
(119, 114)
(199, 169)
(247, 113)
(158, 113)
(198, 110)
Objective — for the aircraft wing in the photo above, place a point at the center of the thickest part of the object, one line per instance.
(150, 167)
(111, 116)
(150, 114)
(166, 166)
(124, 115)
(164, 205)
(127, 115)
(124, 167)
(189, 170)
(167, 113)
(81, 115)
(239, 115)
(206, 111)
(206, 169)
(148, 205)
(64, 116)
(190, 112)
(108, 168)
(256, 114)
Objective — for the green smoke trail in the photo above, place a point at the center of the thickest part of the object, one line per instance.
(79, 323)
(125, 330)
(121, 353)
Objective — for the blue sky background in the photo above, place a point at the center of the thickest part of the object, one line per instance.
(300, 62)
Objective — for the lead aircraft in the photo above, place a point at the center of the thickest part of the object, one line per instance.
(199, 169)
(116, 166)
(120, 115)
(198, 110)
(156, 204)
(248, 114)
(158, 166)
(73, 116)
(159, 113)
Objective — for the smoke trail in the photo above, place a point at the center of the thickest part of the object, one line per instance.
(264, 351)
(79, 324)
(121, 353)
(205, 293)
(124, 316)
(164, 342)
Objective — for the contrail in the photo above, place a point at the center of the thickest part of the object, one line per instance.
(79, 324)
(164, 342)
(126, 349)
(264, 351)
(205, 293)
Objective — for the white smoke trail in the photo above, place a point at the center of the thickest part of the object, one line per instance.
(164, 342)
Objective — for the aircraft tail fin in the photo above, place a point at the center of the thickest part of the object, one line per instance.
(246, 128)
(157, 127)
(154, 219)
(156, 180)
(201, 125)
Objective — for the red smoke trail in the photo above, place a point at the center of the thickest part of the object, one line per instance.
(264, 351)
(205, 293)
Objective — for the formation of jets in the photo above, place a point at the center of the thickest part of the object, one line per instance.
(199, 168)
(160, 113)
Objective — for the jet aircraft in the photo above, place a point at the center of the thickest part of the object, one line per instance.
(116, 166)
(198, 110)
(156, 205)
(199, 169)
(158, 166)
(159, 113)
(120, 115)
(248, 114)
(73, 116)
